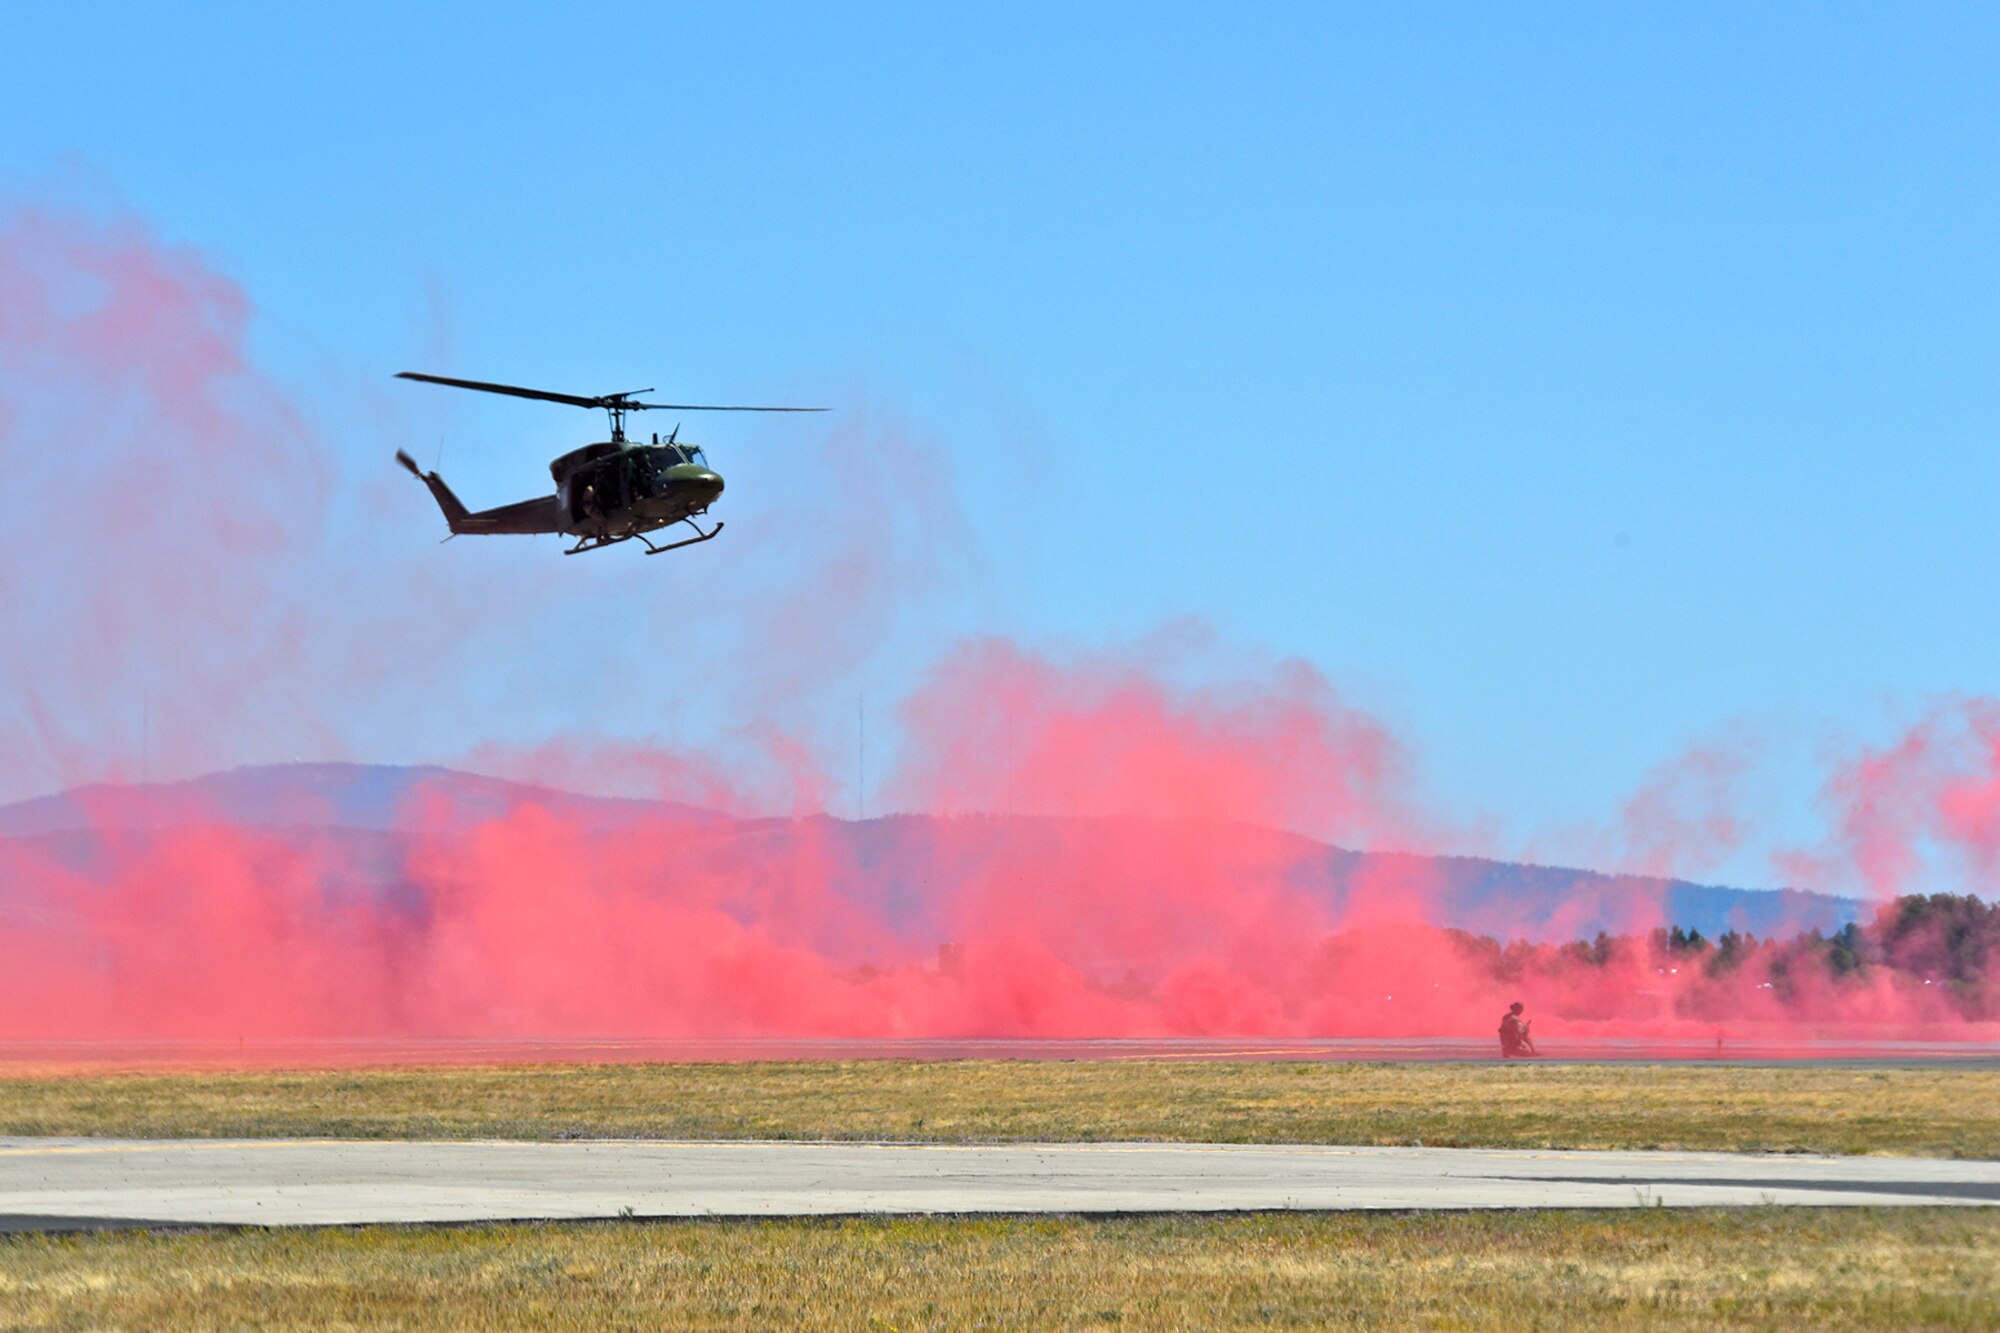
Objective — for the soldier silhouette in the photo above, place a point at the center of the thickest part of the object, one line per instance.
(1514, 1039)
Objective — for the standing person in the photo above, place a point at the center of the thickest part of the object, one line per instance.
(1514, 1039)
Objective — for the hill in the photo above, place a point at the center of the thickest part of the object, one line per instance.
(360, 818)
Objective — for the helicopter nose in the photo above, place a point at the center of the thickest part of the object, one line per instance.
(691, 481)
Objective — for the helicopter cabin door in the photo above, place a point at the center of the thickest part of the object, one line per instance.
(597, 490)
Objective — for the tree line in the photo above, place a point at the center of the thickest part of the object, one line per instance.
(1947, 944)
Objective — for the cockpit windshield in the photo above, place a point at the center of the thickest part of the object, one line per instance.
(672, 455)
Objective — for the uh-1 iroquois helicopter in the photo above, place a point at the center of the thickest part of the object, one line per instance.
(607, 492)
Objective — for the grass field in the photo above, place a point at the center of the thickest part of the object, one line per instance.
(1745, 1268)
(1937, 1111)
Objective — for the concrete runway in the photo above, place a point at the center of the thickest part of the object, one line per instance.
(89, 1183)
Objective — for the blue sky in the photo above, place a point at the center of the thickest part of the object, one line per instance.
(1566, 383)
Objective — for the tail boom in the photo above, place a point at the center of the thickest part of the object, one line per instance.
(541, 514)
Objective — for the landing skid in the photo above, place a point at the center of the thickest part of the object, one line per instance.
(592, 543)
(710, 535)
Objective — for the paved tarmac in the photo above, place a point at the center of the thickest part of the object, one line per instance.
(92, 1183)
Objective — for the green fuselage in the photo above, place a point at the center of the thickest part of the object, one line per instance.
(634, 489)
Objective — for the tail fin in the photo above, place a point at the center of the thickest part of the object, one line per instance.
(455, 513)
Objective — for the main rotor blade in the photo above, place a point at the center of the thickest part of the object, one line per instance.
(618, 401)
(574, 400)
(697, 407)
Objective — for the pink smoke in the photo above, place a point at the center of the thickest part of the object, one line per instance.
(134, 423)
(1153, 913)
(1119, 846)
(1916, 810)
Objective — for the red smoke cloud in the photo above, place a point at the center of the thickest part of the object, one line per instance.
(1174, 905)
(1115, 851)
(1925, 805)
(161, 484)
(999, 729)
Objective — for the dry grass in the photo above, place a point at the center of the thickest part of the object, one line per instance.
(1755, 1268)
(1937, 1111)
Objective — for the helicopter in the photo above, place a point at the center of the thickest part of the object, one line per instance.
(607, 492)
